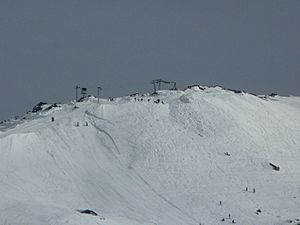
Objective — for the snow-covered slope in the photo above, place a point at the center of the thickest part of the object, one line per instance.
(186, 160)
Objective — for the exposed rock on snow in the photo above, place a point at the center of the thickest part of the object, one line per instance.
(88, 211)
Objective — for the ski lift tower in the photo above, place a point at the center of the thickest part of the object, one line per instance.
(84, 92)
(173, 83)
(98, 92)
(77, 87)
(157, 84)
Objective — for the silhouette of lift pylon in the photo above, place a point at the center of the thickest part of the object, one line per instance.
(157, 84)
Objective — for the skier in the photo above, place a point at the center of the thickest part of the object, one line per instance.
(253, 190)
(52, 119)
(221, 203)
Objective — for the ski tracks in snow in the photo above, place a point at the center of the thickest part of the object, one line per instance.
(101, 130)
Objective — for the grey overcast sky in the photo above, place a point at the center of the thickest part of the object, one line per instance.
(49, 46)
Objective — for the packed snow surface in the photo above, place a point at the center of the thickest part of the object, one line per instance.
(194, 157)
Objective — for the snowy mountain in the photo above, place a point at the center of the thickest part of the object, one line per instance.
(200, 156)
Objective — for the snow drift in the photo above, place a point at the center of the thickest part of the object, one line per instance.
(194, 157)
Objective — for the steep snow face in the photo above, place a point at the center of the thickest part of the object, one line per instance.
(185, 159)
